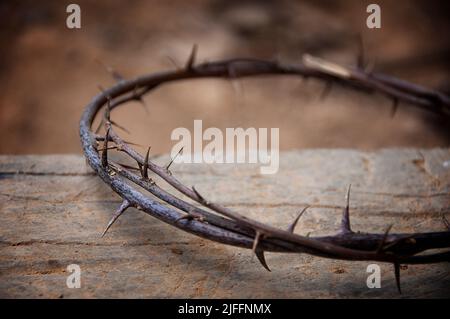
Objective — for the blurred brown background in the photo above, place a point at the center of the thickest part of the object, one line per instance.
(49, 73)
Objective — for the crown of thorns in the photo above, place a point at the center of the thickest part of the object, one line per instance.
(225, 226)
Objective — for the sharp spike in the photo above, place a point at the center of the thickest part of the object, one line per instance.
(256, 241)
(291, 228)
(409, 238)
(369, 67)
(446, 222)
(326, 90)
(200, 197)
(120, 126)
(236, 85)
(116, 76)
(262, 259)
(345, 223)
(173, 62)
(138, 97)
(191, 60)
(394, 107)
(145, 167)
(171, 161)
(101, 88)
(383, 241)
(140, 169)
(108, 102)
(99, 127)
(397, 276)
(144, 105)
(123, 207)
(105, 150)
(108, 111)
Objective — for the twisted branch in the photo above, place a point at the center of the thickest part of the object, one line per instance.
(225, 226)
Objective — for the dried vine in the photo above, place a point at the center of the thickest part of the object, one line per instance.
(223, 225)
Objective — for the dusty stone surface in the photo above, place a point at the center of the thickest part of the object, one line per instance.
(53, 210)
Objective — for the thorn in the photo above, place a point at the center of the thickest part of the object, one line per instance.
(172, 61)
(145, 167)
(107, 115)
(446, 222)
(397, 276)
(123, 207)
(383, 241)
(140, 169)
(291, 228)
(171, 161)
(138, 97)
(370, 66)
(236, 85)
(200, 197)
(108, 97)
(326, 90)
(190, 62)
(101, 88)
(99, 127)
(262, 259)
(394, 107)
(256, 241)
(345, 223)
(120, 126)
(422, 157)
(116, 76)
(105, 150)
(409, 238)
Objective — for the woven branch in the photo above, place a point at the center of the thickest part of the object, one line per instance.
(225, 226)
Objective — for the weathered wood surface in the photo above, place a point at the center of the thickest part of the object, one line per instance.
(53, 210)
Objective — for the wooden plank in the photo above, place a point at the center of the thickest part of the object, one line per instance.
(53, 210)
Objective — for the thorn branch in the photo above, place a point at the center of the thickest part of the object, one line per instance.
(345, 222)
(115, 75)
(199, 197)
(191, 60)
(176, 155)
(262, 259)
(123, 207)
(144, 171)
(256, 241)
(394, 109)
(397, 276)
(446, 222)
(105, 150)
(291, 227)
(383, 241)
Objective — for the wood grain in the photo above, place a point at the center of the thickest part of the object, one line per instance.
(53, 210)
